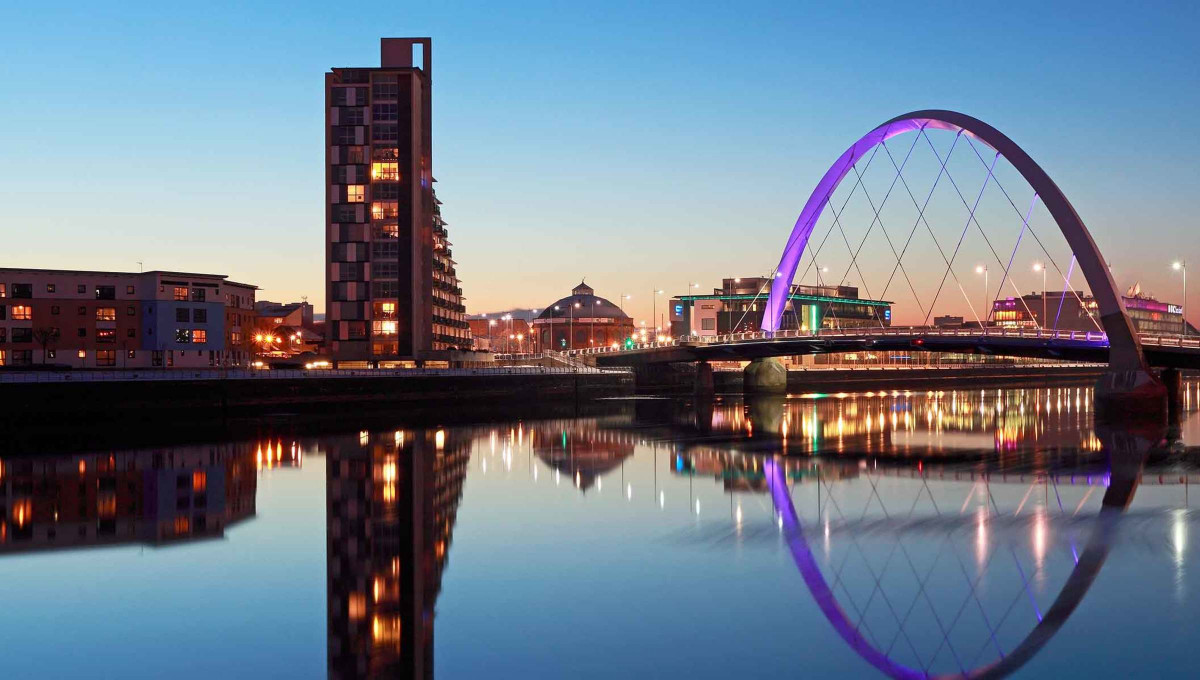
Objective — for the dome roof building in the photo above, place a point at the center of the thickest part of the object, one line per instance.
(581, 320)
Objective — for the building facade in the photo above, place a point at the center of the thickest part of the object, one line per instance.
(579, 321)
(156, 319)
(392, 291)
(737, 307)
(1077, 311)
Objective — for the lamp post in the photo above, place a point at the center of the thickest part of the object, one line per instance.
(692, 329)
(1039, 267)
(654, 313)
(1181, 266)
(982, 269)
(571, 332)
(556, 309)
(491, 334)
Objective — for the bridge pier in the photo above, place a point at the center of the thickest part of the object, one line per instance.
(1130, 396)
(765, 376)
(1172, 380)
(703, 384)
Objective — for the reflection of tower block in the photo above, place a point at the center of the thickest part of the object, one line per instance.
(391, 501)
(583, 454)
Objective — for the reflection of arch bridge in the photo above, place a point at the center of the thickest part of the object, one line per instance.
(1121, 482)
(1115, 341)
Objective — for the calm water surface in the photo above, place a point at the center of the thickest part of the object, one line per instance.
(889, 534)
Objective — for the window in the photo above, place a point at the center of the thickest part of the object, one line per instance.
(345, 213)
(106, 357)
(183, 335)
(131, 332)
(181, 314)
(385, 289)
(200, 315)
(3, 290)
(22, 357)
(385, 270)
(106, 336)
(708, 324)
(383, 112)
(343, 134)
(356, 330)
(106, 314)
(384, 132)
(81, 289)
(383, 327)
(384, 249)
(130, 310)
(386, 231)
(49, 287)
(385, 153)
(3, 312)
(198, 294)
(181, 293)
(106, 292)
(385, 171)
(385, 90)
(82, 310)
(131, 354)
(22, 335)
(355, 155)
(3, 335)
(51, 354)
(22, 290)
(385, 310)
(382, 210)
(129, 290)
(22, 313)
(199, 336)
(156, 358)
(384, 192)
(356, 193)
(82, 354)
(55, 309)
(355, 116)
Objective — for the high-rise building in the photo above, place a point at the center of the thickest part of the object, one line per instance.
(392, 293)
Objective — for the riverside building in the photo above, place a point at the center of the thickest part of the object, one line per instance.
(155, 319)
(392, 292)
(737, 307)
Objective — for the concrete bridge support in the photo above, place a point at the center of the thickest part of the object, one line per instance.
(1172, 379)
(704, 379)
(1130, 396)
(765, 376)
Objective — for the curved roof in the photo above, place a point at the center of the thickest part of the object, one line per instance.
(591, 306)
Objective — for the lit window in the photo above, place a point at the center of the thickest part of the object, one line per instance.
(387, 231)
(356, 193)
(199, 481)
(385, 310)
(3, 290)
(181, 293)
(106, 335)
(382, 210)
(182, 525)
(106, 357)
(183, 335)
(386, 171)
(199, 335)
(383, 327)
(49, 287)
(82, 354)
(106, 314)
(22, 312)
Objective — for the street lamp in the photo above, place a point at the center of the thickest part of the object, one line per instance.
(571, 331)
(982, 269)
(1039, 267)
(556, 309)
(1181, 266)
(654, 308)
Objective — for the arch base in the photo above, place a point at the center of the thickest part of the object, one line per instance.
(1130, 396)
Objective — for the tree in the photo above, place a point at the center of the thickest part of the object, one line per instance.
(46, 337)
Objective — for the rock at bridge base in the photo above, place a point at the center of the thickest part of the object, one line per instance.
(1130, 397)
(765, 376)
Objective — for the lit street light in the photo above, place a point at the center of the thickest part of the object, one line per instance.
(1181, 266)
(982, 269)
(1039, 267)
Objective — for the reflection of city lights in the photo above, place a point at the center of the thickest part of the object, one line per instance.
(662, 499)
(628, 492)
(1039, 538)
(1179, 535)
(697, 506)
(981, 537)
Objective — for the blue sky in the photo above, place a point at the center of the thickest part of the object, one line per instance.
(644, 145)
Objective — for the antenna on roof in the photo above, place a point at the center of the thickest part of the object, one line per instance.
(139, 265)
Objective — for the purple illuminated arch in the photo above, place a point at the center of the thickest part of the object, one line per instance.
(1125, 353)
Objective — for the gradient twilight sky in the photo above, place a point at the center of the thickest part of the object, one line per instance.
(644, 145)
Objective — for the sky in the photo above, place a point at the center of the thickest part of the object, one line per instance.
(643, 146)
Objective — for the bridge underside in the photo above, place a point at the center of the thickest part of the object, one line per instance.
(745, 350)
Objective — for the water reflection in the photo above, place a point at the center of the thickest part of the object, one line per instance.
(153, 497)
(919, 534)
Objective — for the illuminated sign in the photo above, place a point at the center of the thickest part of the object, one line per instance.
(887, 314)
(1174, 309)
(679, 309)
